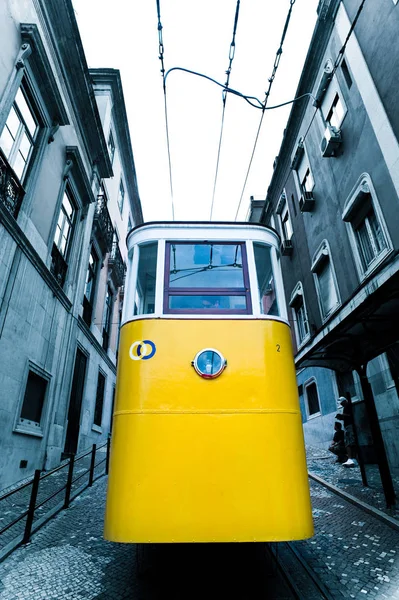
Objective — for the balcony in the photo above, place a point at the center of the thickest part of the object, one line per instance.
(11, 191)
(116, 265)
(58, 266)
(102, 227)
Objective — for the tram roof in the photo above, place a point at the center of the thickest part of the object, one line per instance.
(204, 224)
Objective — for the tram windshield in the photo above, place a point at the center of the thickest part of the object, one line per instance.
(206, 277)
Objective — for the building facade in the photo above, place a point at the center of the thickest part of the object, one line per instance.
(334, 199)
(68, 195)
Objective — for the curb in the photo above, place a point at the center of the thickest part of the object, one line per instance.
(375, 512)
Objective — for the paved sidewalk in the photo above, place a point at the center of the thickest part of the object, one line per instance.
(355, 555)
(322, 463)
(16, 504)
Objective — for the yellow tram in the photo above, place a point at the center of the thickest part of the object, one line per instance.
(207, 436)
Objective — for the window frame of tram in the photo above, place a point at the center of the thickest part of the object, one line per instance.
(266, 282)
(212, 298)
(146, 288)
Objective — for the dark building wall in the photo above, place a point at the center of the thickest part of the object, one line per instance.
(377, 34)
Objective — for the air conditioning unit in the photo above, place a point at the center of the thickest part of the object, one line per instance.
(306, 202)
(330, 142)
(286, 248)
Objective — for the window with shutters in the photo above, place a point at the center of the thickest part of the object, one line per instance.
(325, 281)
(366, 227)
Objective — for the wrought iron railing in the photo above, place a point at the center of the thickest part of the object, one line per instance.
(115, 261)
(30, 505)
(103, 228)
(58, 265)
(11, 191)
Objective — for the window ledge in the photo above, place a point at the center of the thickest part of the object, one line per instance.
(97, 428)
(303, 342)
(314, 416)
(375, 263)
(28, 430)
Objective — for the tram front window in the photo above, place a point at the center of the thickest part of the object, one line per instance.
(266, 284)
(205, 277)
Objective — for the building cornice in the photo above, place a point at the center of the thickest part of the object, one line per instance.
(63, 30)
(112, 78)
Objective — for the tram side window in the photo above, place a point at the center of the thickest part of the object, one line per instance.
(266, 283)
(206, 277)
(144, 303)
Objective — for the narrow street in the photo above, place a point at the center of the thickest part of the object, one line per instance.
(354, 554)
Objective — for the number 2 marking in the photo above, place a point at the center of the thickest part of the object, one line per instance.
(278, 347)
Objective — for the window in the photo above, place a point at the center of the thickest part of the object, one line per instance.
(109, 302)
(333, 107)
(346, 74)
(111, 147)
(301, 323)
(206, 277)
(98, 409)
(336, 113)
(20, 133)
(312, 398)
(90, 284)
(33, 400)
(146, 278)
(266, 284)
(286, 227)
(366, 227)
(62, 239)
(63, 232)
(307, 182)
(121, 196)
(326, 286)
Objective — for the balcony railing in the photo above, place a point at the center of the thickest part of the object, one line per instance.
(103, 228)
(117, 265)
(58, 265)
(11, 191)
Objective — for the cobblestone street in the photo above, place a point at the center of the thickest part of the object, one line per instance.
(355, 555)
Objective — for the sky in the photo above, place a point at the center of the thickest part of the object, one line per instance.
(123, 34)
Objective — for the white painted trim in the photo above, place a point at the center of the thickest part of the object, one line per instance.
(206, 317)
(278, 277)
(306, 384)
(324, 250)
(253, 280)
(211, 231)
(160, 275)
(349, 207)
(370, 97)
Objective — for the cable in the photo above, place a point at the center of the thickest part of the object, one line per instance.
(224, 98)
(161, 58)
(271, 80)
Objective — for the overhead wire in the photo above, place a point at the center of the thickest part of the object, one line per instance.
(161, 58)
(224, 99)
(267, 95)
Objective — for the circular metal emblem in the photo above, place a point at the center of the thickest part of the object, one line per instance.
(209, 363)
(142, 350)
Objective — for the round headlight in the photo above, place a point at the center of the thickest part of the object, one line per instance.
(209, 363)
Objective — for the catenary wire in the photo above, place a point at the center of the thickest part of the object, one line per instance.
(271, 80)
(161, 58)
(224, 99)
